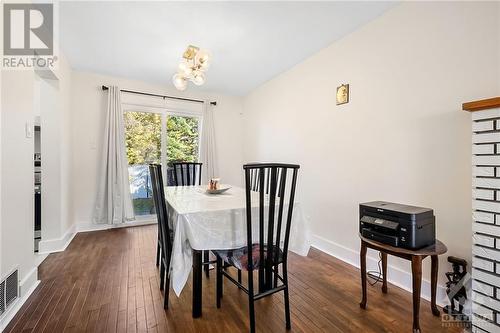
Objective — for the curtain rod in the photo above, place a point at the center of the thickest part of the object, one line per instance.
(163, 96)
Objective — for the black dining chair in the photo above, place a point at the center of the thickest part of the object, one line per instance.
(255, 180)
(185, 173)
(271, 248)
(181, 174)
(159, 243)
(165, 235)
(189, 174)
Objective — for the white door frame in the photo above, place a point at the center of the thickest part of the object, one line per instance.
(164, 112)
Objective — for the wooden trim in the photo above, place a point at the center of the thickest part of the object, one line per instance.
(482, 104)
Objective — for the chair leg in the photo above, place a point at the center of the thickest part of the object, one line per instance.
(287, 309)
(206, 258)
(162, 274)
(275, 273)
(166, 292)
(219, 278)
(251, 308)
(158, 254)
(287, 299)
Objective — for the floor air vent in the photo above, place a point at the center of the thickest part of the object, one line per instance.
(11, 288)
(2, 297)
(9, 291)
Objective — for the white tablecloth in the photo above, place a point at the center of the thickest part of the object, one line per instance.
(204, 221)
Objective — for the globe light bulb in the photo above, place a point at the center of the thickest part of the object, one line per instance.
(203, 58)
(179, 81)
(204, 65)
(199, 79)
(192, 68)
(185, 68)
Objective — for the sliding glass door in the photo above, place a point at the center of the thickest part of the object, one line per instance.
(155, 135)
(143, 146)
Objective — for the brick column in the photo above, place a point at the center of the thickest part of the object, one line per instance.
(485, 214)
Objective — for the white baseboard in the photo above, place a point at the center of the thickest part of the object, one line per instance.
(395, 275)
(26, 287)
(88, 226)
(40, 257)
(28, 281)
(58, 244)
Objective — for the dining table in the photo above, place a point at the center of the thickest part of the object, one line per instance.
(202, 222)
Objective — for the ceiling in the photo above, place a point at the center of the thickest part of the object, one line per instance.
(250, 42)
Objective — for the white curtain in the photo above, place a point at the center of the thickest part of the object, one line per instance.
(114, 202)
(207, 148)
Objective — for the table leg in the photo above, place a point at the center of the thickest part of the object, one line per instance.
(384, 272)
(416, 269)
(434, 278)
(362, 259)
(197, 280)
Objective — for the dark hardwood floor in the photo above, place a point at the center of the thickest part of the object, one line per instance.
(107, 281)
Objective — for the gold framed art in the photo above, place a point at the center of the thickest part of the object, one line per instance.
(343, 94)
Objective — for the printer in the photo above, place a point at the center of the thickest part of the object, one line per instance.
(397, 225)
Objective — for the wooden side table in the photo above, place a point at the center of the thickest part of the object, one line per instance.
(416, 257)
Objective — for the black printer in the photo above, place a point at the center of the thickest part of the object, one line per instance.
(397, 225)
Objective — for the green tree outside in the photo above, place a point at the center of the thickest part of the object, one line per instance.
(143, 138)
(182, 139)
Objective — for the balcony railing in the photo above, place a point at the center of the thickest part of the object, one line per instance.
(141, 188)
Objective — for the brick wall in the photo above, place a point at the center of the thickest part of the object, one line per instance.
(486, 217)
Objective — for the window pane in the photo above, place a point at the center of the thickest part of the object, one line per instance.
(143, 146)
(182, 139)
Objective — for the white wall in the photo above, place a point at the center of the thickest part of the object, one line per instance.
(1, 159)
(64, 75)
(88, 105)
(21, 100)
(16, 246)
(401, 138)
(50, 119)
(55, 114)
(498, 45)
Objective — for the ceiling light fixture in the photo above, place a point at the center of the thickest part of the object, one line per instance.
(192, 68)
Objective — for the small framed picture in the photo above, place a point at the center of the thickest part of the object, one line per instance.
(343, 94)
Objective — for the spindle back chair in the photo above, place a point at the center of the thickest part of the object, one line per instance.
(165, 235)
(270, 251)
(187, 173)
